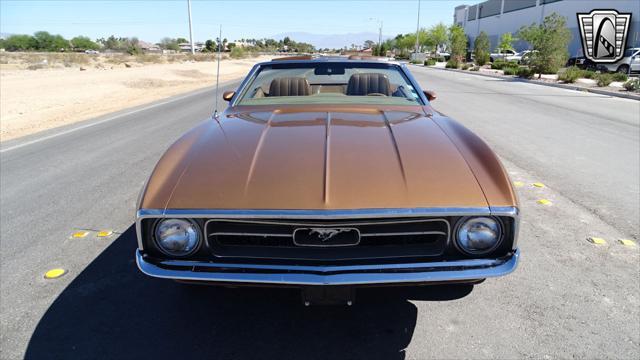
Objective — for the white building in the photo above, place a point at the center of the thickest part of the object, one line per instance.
(496, 17)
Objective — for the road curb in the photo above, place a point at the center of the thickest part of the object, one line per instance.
(561, 86)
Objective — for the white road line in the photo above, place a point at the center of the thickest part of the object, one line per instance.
(104, 120)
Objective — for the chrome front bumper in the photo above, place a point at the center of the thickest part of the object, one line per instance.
(295, 275)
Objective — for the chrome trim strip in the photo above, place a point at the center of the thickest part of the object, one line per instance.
(406, 233)
(330, 275)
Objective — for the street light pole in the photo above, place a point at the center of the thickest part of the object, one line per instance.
(193, 50)
(418, 28)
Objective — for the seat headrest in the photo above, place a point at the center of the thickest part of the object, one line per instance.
(368, 83)
(289, 86)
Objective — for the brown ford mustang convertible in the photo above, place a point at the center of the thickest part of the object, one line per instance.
(328, 174)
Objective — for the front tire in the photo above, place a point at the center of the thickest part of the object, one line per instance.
(624, 69)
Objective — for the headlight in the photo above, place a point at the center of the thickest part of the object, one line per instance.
(177, 237)
(478, 235)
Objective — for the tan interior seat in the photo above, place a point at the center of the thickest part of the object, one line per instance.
(368, 83)
(289, 86)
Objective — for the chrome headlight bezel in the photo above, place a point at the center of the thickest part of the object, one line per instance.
(465, 250)
(196, 230)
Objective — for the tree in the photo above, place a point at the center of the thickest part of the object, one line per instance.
(506, 42)
(550, 41)
(48, 42)
(181, 40)
(211, 46)
(84, 43)
(368, 44)
(169, 44)
(230, 46)
(458, 41)
(20, 43)
(438, 34)
(481, 48)
(286, 41)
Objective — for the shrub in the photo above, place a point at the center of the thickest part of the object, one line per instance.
(481, 47)
(622, 77)
(525, 72)
(237, 53)
(570, 74)
(452, 64)
(550, 40)
(632, 85)
(466, 66)
(589, 74)
(604, 79)
(441, 59)
(429, 62)
(475, 68)
(457, 42)
(510, 70)
(498, 64)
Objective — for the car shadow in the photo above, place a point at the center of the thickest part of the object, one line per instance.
(113, 311)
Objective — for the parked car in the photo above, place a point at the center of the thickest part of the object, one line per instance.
(328, 174)
(501, 54)
(582, 63)
(91, 52)
(519, 57)
(628, 62)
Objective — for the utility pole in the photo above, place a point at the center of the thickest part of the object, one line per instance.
(418, 28)
(193, 50)
(380, 23)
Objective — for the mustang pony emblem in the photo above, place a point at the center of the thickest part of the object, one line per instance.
(326, 234)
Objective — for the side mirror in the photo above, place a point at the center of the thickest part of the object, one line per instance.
(429, 94)
(228, 95)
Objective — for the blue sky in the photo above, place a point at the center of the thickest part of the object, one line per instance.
(153, 20)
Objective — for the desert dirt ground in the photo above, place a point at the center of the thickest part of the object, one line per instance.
(46, 94)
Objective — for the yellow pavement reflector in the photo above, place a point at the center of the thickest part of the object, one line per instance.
(597, 240)
(518, 184)
(538, 185)
(544, 202)
(626, 242)
(80, 234)
(54, 273)
(104, 233)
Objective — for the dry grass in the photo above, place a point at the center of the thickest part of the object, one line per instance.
(45, 60)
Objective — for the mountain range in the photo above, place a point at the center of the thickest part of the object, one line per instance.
(332, 41)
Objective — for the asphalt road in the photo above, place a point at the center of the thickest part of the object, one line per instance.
(568, 298)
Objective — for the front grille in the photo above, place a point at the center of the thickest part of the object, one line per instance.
(274, 239)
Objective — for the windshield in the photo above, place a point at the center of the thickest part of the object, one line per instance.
(329, 83)
(630, 52)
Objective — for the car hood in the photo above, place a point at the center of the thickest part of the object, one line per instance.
(301, 159)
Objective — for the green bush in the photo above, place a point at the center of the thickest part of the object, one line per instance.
(604, 79)
(498, 64)
(550, 39)
(622, 77)
(481, 47)
(429, 62)
(589, 74)
(633, 85)
(510, 70)
(414, 61)
(570, 74)
(525, 72)
(441, 59)
(452, 64)
(237, 53)
(475, 68)
(466, 66)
